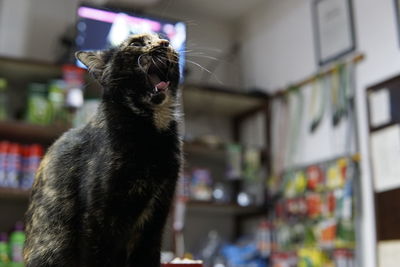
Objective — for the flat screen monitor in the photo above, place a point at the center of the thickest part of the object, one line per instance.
(101, 28)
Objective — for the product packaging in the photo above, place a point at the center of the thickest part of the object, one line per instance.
(201, 185)
(4, 251)
(234, 161)
(17, 240)
(3, 100)
(39, 111)
(56, 96)
(31, 160)
(3, 162)
(13, 165)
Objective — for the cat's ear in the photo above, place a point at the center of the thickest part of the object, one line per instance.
(93, 60)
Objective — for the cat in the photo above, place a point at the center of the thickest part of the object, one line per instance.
(103, 192)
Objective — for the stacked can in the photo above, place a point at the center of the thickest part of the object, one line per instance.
(18, 164)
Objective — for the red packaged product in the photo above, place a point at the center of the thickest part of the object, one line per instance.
(315, 178)
(314, 205)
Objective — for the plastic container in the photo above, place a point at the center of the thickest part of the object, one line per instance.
(39, 111)
(3, 100)
(3, 162)
(56, 98)
(263, 239)
(17, 240)
(13, 165)
(32, 156)
(4, 251)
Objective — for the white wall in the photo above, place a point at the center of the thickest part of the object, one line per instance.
(31, 29)
(209, 39)
(279, 50)
(13, 26)
(277, 44)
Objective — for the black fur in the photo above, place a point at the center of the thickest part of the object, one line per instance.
(103, 192)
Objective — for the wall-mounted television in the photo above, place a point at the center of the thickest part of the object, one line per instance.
(101, 28)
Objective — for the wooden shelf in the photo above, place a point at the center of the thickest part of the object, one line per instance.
(223, 208)
(28, 70)
(14, 194)
(216, 153)
(29, 133)
(220, 101)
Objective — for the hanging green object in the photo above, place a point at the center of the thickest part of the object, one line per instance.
(339, 90)
(296, 117)
(318, 102)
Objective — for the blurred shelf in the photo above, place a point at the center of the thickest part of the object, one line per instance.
(220, 101)
(223, 208)
(28, 70)
(200, 149)
(14, 194)
(17, 131)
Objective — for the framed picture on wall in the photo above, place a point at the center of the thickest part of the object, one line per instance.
(333, 29)
(397, 10)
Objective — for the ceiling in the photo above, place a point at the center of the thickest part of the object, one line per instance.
(220, 9)
(223, 9)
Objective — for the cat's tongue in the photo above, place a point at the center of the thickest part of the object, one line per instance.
(158, 84)
(162, 86)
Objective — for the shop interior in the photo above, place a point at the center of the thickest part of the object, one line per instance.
(290, 121)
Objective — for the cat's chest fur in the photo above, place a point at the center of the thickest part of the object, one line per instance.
(137, 160)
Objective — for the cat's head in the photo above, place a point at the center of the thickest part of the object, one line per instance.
(141, 73)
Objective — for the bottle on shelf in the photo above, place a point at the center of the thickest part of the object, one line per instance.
(3, 99)
(3, 158)
(31, 161)
(4, 251)
(13, 165)
(263, 239)
(38, 105)
(17, 240)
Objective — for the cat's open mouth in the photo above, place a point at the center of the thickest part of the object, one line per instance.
(159, 83)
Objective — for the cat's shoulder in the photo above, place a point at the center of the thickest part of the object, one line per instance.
(72, 138)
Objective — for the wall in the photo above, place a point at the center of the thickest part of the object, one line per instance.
(13, 22)
(279, 50)
(209, 40)
(31, 29)
(277, 46)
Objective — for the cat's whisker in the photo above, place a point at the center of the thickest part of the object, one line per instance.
(204, 69)
(204, 56)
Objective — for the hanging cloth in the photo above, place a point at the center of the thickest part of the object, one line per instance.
(318, 102)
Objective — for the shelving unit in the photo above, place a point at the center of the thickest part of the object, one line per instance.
(18, 131)
(223, 208)
(14, 194)
(197, 99)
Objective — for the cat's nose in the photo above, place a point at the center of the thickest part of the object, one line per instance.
(164, 43)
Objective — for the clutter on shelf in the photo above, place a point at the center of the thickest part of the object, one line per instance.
(313, 220)
(11, 246)
(241, 165)
(18, 164)
(56, 102)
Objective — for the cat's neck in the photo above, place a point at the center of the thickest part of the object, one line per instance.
(117, 117)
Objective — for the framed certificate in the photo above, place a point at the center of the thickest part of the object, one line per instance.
(334, 29)
(397, 9)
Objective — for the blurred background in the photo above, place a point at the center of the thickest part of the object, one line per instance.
(291, 121)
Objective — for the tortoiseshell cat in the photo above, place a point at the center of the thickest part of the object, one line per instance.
(103, 192)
